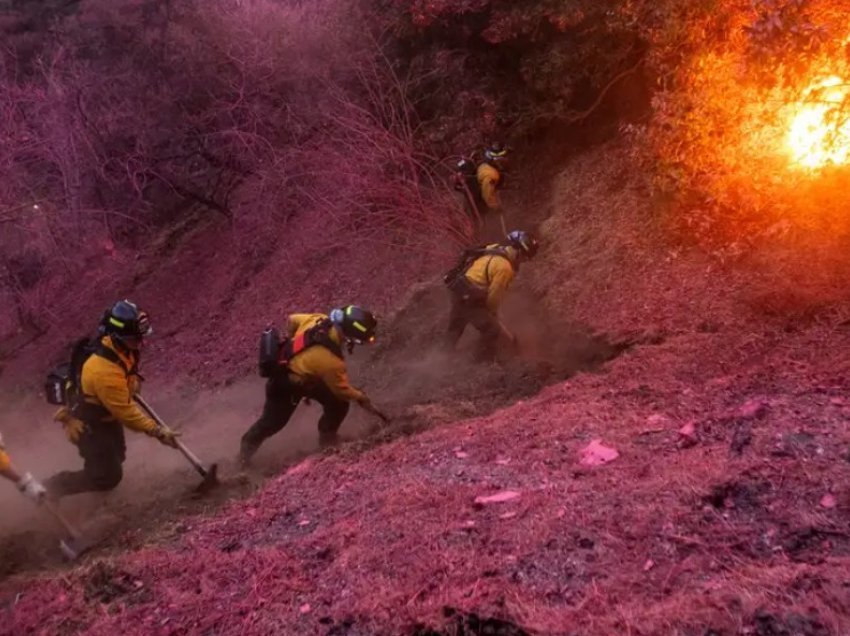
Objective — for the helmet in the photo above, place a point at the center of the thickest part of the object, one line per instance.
(496, 153)
(524, 242)
(125, 320)
(357, 324)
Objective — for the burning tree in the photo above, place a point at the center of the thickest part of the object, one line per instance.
(752, 135)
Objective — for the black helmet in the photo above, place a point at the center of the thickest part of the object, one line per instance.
(125, 320)
(357, 324)
(496, 153)
(524, 242)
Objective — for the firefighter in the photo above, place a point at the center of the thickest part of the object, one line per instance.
(478, 286)
(490, 176)
(480, 185)
(104, 404)
(312, 366)
(26, 483)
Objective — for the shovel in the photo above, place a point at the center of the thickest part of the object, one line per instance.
(374, 411)
(210, 475)
(75, 545)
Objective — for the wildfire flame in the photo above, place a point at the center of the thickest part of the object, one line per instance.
(819, 133)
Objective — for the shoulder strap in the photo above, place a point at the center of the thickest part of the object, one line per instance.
(318, 334)
(108, 354)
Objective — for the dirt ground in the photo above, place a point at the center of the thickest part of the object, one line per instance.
(408, 374)
(730, 533)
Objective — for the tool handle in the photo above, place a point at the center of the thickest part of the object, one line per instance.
(75, 534)
(193, 459)
(371, 409)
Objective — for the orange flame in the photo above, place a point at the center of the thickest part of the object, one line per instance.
(819, 133)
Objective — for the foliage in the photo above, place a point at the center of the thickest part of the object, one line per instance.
(128, 115)
(516, 66)
(734, 82)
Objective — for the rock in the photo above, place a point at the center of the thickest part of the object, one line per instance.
(752, 409)
(648, 565)
(828, 501)
(461, 454)
(508, 515)
(499, 497)
(305, 609)
(597, 454)
(688, 435)
(657, 420)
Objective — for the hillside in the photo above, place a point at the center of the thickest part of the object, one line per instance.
(738, 528)
(664, 452)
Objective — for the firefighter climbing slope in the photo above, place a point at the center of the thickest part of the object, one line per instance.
(26, 483)
(309, 363)
(98, 392)
(478, 285)
(480, 185)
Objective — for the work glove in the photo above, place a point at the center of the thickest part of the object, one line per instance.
(73, 427)
(32, 488)
(166, 436)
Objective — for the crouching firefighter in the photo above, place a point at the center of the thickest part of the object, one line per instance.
(96, 390)
(478, 285)
(26, 483)
(309, 363)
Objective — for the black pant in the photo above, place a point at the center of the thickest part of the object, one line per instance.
(282, 398)
(103, 449)
(477, 314)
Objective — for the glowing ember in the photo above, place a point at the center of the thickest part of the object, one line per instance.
(820, 129)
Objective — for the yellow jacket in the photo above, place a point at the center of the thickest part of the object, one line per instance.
(317, 363)
(493, 273)
(488, 181)
(5, 462)
(105, 383)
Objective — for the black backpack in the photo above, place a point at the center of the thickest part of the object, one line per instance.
(277, 352)
(64, 382)
(456, 280)
(465, 176)
(468, 257)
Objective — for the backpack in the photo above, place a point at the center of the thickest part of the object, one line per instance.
(63, 386)
(465, 176)
(277, 353)
(455, 279)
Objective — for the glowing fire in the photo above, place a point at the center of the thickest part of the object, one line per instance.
(820, 131)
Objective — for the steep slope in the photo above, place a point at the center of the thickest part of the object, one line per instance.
(724, 535)
(738, 524)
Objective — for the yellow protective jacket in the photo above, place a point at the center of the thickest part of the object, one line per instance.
(106, 384)
(318, 363)
(488, 182)
(494, 273)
